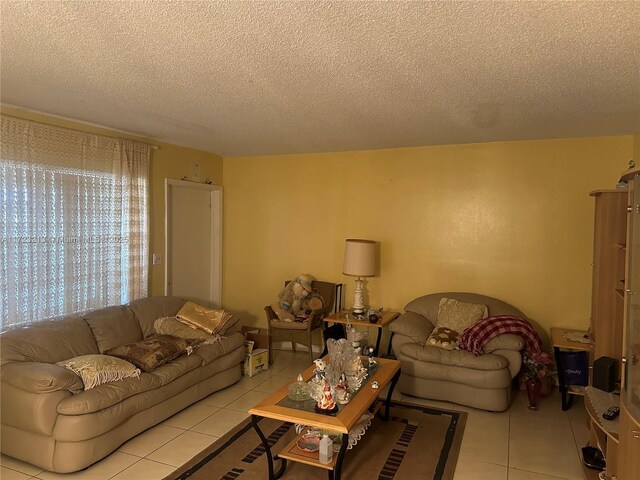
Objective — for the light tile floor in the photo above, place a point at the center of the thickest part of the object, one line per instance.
(517, 445)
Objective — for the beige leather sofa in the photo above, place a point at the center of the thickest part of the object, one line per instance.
(455, 376)
(43, 423)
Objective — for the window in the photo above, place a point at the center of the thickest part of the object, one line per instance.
(73, 221)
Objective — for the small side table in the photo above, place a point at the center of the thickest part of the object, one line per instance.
(561, 343)
(346, 317)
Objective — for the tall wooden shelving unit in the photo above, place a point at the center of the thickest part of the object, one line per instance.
(607, 294)
(615, 320)
(607, 305)
(628, 461)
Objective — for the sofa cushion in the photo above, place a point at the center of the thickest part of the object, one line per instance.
(107, 395)
(458, 358)
(176, 368)
(148, 310)
(217, 349)
(229, 326)
(453, 317)
(95, 370)
(76, 427)
(47, 342)
(450, 374)
(113, 326)
(149, 354)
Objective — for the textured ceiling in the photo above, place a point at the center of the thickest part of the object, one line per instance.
(269, 77)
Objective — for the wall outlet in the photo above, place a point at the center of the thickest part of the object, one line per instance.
(156, 259)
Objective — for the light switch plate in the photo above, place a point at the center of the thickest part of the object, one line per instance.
(156, 259)
(195, 173)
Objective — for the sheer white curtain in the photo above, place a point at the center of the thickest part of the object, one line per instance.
(73, 221)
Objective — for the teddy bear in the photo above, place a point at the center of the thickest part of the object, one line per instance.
(296, 300)
(311, 305)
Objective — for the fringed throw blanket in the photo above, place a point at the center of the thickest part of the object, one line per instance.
(478, 335)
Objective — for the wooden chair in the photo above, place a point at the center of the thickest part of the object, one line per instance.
(300, 332)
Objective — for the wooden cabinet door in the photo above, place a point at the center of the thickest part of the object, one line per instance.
(629, 448)
(607, 292)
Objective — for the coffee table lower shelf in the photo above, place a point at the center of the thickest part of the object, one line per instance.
(289, 453)
(293, 453)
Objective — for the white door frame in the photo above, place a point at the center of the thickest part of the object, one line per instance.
(215, 291)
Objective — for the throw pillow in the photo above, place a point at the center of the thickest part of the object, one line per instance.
(453, 317)
(149, 354)
(95, 370)
(174, 327)
(206, 319)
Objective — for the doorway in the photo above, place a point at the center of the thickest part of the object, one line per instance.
(193, 241)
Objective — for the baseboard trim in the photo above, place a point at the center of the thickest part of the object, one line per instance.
(286, 346)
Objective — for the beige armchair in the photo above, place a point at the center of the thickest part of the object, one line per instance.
(456, 376)
(300, 332)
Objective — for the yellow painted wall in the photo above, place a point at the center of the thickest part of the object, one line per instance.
(169, 161)
(512, 220)
(507, 219)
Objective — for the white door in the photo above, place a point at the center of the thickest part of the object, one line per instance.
(192, 241)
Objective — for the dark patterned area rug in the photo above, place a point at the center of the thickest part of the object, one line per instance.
(416, 443)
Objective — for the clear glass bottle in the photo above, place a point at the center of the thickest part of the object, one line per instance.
(325, 454)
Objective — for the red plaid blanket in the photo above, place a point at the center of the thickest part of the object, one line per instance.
(478, 335)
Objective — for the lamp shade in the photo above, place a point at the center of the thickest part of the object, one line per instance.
(359, 258)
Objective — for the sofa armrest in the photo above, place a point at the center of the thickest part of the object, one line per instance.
(514, 357)
(412, 325)
(39, 377)
(30, 411)
(506, 341)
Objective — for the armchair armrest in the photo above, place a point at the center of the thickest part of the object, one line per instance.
(39, 377)
(315, 319)
(271, 315)
(412, 325)
(506, 341)
(311, 323)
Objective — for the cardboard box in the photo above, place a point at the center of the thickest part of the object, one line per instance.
(256, 362)
(256, 351)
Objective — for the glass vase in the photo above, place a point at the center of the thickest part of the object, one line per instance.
(533, 387)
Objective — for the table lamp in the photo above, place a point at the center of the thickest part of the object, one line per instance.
(359, 261)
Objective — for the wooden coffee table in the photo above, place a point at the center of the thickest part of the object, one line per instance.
(278, 406)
